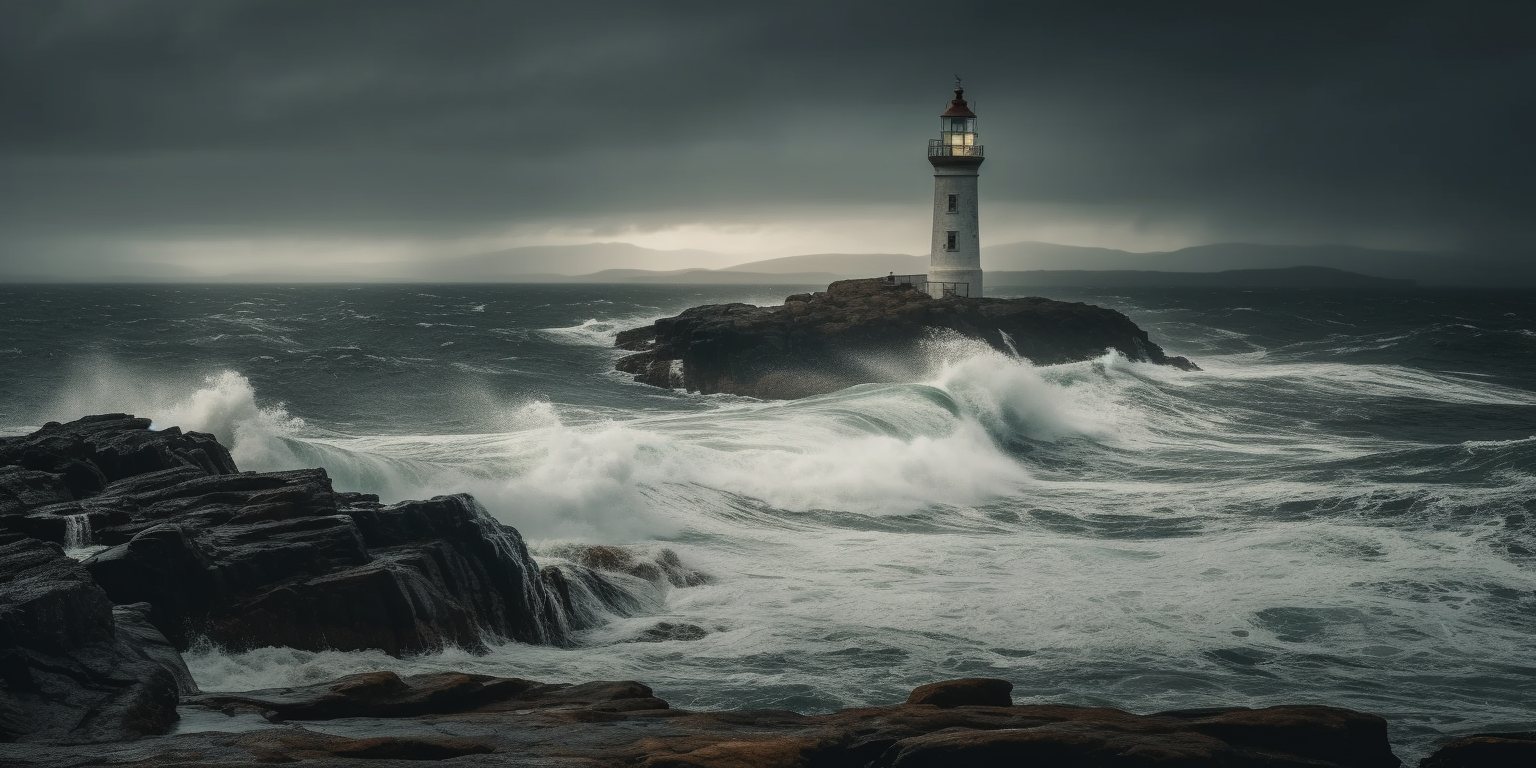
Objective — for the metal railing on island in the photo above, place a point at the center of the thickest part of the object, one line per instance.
(921, 283)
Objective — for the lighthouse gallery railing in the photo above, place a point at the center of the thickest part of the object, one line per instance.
(937, 148)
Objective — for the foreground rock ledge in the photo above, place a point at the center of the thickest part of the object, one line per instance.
(863, 332)
(480, 720)
(187, 547)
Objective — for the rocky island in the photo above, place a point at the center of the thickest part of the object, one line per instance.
(862, 332)
(120, 545)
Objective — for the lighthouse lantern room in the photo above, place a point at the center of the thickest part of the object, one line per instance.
(957, 132)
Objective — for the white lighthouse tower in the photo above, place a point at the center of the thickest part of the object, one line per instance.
(954, 266)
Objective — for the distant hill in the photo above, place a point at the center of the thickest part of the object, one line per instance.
(1031, 255)
(688, 277)
(1289, 277)
(729, 277)
(867, 264)
(685, 277)
(1425, 267)
(564, 260)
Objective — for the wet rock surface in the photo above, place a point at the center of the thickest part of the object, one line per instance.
(666, 630)
(968, 692)
(1486, 750)
(249, 559)
(73, 667)
(187, 547)
(656, 565)
(860, 332)
(280, 559)
(496, 721)
(371, 694)
(92, 451)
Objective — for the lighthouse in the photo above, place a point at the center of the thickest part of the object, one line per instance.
(954, 264)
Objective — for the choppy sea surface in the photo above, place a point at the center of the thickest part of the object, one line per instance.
(1340, 509)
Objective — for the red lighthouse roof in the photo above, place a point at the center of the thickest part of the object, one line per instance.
(957, 108)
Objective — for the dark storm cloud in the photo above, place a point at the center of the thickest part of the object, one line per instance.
(128, 117)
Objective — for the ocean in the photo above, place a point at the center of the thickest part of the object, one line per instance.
(1337, 510)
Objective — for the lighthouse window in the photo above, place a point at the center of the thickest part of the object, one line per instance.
(954, 203)
(949, 240)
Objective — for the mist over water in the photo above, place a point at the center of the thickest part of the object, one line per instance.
(1337, 510)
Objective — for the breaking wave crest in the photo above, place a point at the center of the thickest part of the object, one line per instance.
(223, 404)
(985, 426)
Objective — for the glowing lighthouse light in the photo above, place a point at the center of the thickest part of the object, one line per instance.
(957, 131)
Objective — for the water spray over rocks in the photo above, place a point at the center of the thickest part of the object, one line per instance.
(204, 553)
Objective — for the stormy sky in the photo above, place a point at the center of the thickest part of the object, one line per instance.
(216, 131)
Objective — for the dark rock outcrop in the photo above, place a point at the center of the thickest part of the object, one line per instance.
(22, 490)
(623, 724)
(371, 694)
(859, 332)
(190, 547)
(665, 631)
(282, 559)
(72, 666)
(387, 695)
(48, 476)
(968, 692)
(90, 452)
(1486, 750)
(306, 746)
(617, 580)
(659, 566)
(986, 736)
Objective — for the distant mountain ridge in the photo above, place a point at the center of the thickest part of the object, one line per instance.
(1287, 277)
(626, 262)
(569, 260)
(1427, 268)
(849, 264)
